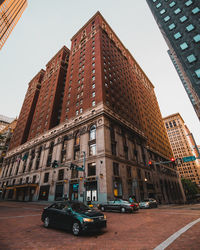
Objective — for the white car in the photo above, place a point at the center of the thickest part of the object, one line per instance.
(148, 203)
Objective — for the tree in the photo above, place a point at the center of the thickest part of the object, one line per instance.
(190, 188)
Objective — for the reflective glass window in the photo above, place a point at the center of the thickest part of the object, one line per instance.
(197, 38)
(177, 11)
(191, 58)
(184, 46)
(183, 19)
(162, 11)
(172, 26)
(197, 73)
(177, 35)
(154, 1)
(189, 2)
(167, 18)
(158, 5)
(190, 27)
(195, 10)
(172, 4)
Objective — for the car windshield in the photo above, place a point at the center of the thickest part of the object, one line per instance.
(145, 200)
(79, 207)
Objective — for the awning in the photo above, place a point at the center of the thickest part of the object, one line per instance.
(27, 185)
(8, 188)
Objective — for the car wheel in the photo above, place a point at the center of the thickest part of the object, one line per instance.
(76, 228)
(103, 209)
(123, 210)
(46, 222)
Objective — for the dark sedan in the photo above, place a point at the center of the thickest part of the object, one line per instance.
(74, 216)
(118, 205)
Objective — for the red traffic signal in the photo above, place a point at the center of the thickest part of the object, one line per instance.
(172, 159)
(149, 163)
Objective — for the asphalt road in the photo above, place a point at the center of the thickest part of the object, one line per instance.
(167, 227)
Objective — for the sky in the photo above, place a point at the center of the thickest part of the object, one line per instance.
(47, 25)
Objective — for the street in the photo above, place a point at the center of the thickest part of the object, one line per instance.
(22, 228)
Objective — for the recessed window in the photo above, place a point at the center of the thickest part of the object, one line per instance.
(189, 2)
(184, 46)
(81, 110)
(93, 85)
(76, 112)
(191, 58)
(177, 11)
(197, 73)
(93, 78)
(190, 27)
(167, 18)
(177, 35)
(93, 103)
(162, 11)
(172, 26)
(183, 19)
(195, 10)
(93, 94)
(158, 5)
(197, 38)
(172, 4)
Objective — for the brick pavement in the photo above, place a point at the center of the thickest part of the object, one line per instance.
(143, 230)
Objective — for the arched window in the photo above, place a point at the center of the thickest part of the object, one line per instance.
(93, 133)
(77, 139)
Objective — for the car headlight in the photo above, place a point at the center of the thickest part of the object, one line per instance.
(87, 220)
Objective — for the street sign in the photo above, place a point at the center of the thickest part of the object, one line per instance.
(79, 169)
(189, 158)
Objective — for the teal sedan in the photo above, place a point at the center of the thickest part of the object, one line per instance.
(74, 216)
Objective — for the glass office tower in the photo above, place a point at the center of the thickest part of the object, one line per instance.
(179, 23)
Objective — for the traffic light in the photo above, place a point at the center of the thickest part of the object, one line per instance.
(72, 166)
(173, 161)
(150, 164)
(55, 164)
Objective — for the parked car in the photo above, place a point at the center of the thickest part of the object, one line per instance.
(118, 205)
(136, 205)
(148, 203)
(74, 216)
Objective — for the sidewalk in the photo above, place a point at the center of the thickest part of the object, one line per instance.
(182, 206)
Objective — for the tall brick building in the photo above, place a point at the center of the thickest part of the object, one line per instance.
(183, 145)
(43, 101)
(21, 132)
(109, 114)
(102, 70)
(48, 109)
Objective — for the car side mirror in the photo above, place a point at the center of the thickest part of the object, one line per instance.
(68, 210)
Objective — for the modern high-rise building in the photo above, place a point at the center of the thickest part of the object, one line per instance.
(183, 145)
(179, 23)
(10, 13)
(108, 121)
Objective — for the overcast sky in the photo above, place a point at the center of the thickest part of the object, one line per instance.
(47, 25)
